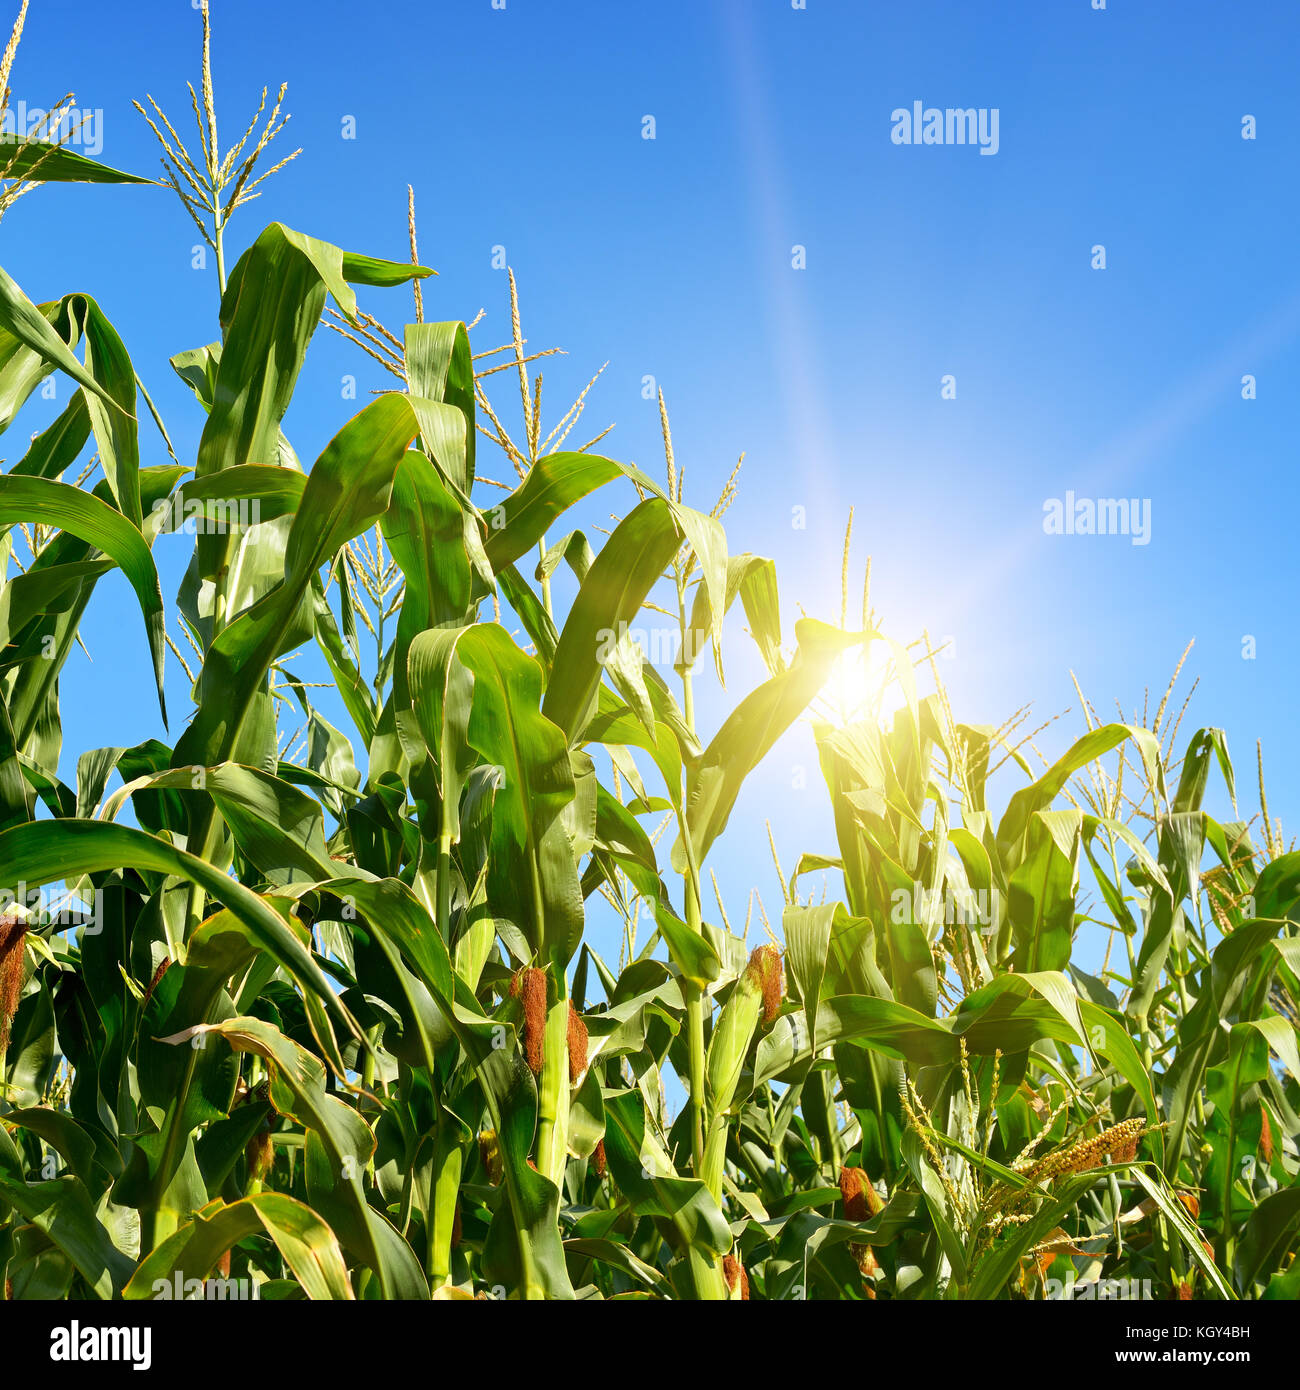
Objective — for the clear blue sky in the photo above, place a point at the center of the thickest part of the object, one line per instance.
(523, 127)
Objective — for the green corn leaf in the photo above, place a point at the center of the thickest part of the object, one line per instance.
(309, 1247)
(758, 721)
(92, 520)
(47, 161)
(608, 601)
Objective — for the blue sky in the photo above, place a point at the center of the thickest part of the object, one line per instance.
(672, 258)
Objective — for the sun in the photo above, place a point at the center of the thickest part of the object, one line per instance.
(864, 685)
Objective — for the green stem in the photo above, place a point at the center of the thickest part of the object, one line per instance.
(218, 234)
(448, 1162)
(546, 579)
(444, 885)
(695, 999)
(695, 1043)
(379, 655)
(705, 1276)
(172, 1137)
(220, 601)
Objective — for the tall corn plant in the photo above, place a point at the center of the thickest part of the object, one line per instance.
(335, 1025)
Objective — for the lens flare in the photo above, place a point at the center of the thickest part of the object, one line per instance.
(864, 685)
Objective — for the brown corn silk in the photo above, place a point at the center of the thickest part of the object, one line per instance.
(765, 965)
(13, 934)
(577, 1045)
(733, 1272)
(529, 987)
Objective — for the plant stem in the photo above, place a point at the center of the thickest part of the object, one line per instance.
(444, 885)
(448, 1162)
(546, 579)
(218, 237)
(693, 994)
(695, 1043)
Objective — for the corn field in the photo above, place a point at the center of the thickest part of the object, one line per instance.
(317, 1008)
